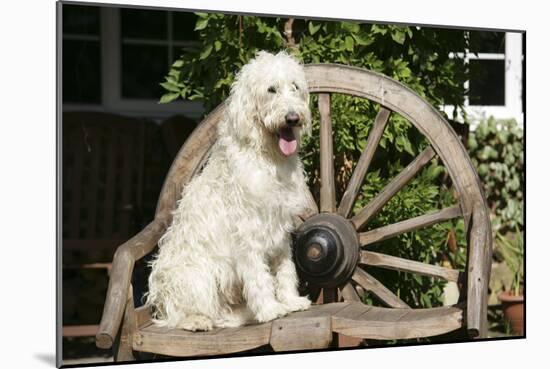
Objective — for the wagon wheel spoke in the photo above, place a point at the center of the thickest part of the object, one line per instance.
(328, 192)
(405, 265)
(392, 230)
(371, 284)
(314, 292)
(349, 293)
(352, 190)
(330, 294)
(392, 188)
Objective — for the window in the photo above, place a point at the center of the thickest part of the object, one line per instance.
(486, 61)
(495, 86)
(81, 55)
(114, 59)
(154, 38)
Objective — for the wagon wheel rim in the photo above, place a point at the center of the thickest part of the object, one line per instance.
(326, 79)
(324, 82)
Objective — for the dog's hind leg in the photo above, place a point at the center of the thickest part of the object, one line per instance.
(196, 322)
(239, 315)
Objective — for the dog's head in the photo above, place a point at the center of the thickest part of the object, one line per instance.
(269, 104)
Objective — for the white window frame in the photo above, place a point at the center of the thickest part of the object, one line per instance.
(111, 92)
(513, 83)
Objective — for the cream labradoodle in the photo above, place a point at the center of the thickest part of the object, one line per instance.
(226, 259)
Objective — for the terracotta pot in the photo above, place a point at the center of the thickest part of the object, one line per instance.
(513, 308)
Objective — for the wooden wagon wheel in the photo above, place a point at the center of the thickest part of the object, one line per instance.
(329, 244)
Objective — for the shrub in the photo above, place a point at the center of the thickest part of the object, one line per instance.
(418, 57)
(496, 149)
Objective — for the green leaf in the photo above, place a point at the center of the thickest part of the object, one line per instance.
(398, 36)
(407, 146)
(350, 27)
(170, 87)
(313, 28)
(166, 98)
(206, 52)
(349, 43)
(201, 24)
(362, 40)
(217, 45)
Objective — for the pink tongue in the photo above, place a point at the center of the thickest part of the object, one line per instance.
(287, 141)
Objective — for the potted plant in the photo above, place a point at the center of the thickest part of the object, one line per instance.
(512, 299)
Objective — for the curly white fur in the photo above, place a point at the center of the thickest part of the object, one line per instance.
(226, 258)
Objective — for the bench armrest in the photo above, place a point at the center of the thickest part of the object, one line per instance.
(123, 264)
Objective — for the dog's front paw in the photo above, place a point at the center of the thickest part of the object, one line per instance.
(270, 312)
(297, 303)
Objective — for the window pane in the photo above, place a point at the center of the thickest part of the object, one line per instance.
(143, 68)
(81, 71)
(486, 82)
(79, 19)
(145, 24)
(183, 25)
(487, 42)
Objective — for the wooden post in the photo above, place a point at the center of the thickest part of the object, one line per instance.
(123, 349)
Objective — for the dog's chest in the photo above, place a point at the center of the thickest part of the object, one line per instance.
(277, 192)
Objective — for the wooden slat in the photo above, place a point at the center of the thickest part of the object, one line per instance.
(143, 316)
(179, 342)
(140, 167)
(76, 183)
(106, 266)
(320, 310)
(348, 293)
(392, 188)
(346, 204)
(92, 187)
(127, 201)
(328, 191)
(353, 311)
(89, 330)
(297, 333)
(109, 204)
(404, 265)
(392, 230)
(388, 324)
(79, 244)
(370, 284)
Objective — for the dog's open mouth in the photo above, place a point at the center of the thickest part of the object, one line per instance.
(287, 141)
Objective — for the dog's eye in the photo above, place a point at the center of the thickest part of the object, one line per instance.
(295, 86)
(272, 89)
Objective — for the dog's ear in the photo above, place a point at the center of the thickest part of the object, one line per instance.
(242, 118)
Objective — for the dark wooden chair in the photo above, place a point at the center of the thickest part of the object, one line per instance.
(110, 174)
(343, 312)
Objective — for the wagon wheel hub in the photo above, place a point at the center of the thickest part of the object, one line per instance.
(326, 250)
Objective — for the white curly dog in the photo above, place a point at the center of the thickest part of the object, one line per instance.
(226, 259)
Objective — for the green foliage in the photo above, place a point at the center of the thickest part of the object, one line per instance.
(511, 249)
(496, 149)
(226, 43)
(417, 57)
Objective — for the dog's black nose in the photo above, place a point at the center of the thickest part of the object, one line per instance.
(292, 118)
